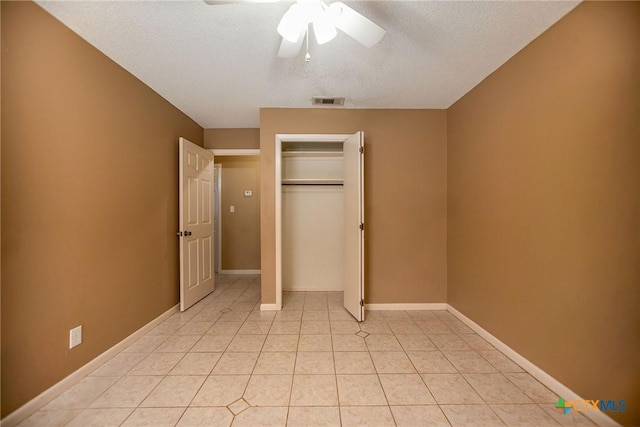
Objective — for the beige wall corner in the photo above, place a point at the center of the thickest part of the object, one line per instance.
(405, 196)
(89, 201)
(236, 138)
(544, 203)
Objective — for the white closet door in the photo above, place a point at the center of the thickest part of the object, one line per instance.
(354, 225)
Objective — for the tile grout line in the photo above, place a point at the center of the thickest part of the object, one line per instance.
(187, 352)
(379, 380)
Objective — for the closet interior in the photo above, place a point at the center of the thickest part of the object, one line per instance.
(312, 216)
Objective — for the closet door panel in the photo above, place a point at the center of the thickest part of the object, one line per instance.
(353, 217)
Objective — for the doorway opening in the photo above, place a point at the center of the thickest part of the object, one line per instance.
(237, 211)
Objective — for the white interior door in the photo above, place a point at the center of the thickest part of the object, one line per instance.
(354, 225)
(196, 223)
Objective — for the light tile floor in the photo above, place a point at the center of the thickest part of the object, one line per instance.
(223, 363)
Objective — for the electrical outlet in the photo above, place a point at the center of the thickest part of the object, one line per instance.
(75, 336)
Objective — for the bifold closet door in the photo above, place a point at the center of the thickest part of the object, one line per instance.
(353, 189)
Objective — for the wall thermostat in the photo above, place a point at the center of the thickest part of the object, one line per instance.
(248, 193)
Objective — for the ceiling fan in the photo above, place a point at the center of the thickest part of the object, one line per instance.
(325, 18)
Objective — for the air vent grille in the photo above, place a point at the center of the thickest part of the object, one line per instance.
(328, 101)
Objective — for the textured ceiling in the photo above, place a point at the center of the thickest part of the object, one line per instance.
(219, 64)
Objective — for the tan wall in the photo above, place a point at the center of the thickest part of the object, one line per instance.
(89, 202)
(0, 209)
(241, 229)
(232, 138)
(405, 196)
(544, 203)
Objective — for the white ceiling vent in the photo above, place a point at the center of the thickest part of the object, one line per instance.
(328, 101)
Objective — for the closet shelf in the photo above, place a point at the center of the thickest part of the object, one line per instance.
(311, 182)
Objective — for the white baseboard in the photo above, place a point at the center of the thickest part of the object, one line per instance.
(407, 306)
(297, 288)
(35, 404)
(598, 417)
(268, 307)
(240, 271)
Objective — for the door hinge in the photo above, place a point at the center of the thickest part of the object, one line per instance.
(361, 303)
(362, 226)
(179, 234)
(361, 150)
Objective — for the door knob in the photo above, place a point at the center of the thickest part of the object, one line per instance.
(187, 233)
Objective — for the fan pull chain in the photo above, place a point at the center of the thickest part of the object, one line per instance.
(307, 57)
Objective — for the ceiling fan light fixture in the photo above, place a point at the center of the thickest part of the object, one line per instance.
(356, 25)
(326, 21)
(323, 28)
(292, 23)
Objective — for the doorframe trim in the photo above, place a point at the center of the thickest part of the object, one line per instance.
(280, 138)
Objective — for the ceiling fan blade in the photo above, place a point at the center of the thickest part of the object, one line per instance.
(217, 2)
(355, 25)
(289, 49)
